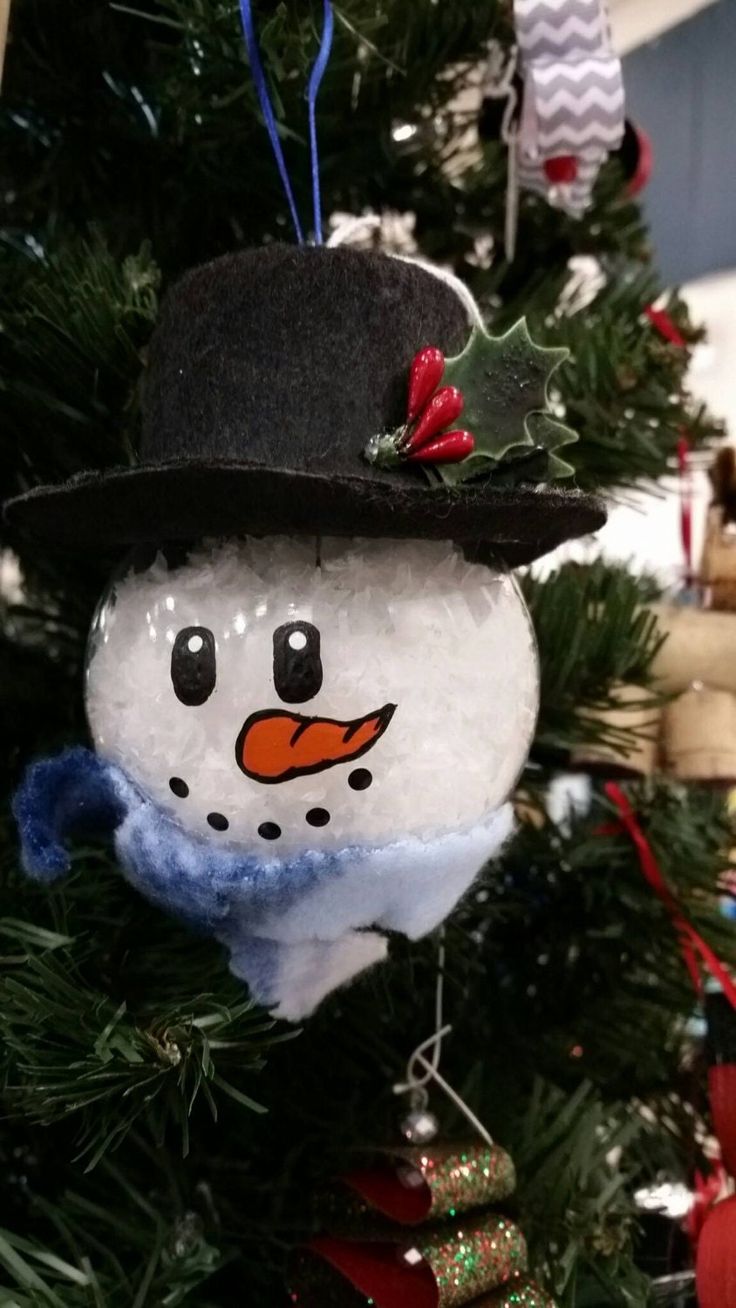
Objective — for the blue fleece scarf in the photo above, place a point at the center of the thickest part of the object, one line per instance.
(294, 927)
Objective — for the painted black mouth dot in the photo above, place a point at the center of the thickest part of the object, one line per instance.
(318, 817)
(360, 779)
(179, 787)
(218, 821)
(269, 830)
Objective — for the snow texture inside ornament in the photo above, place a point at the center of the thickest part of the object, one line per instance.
(303, 746)
(424, 698)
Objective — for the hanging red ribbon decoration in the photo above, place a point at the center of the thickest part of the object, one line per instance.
(716, 1263)
(696, 952)
(686, 505)
(662, 322)
(716, 1242)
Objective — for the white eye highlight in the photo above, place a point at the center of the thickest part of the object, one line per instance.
(194, 644)
(297, 640)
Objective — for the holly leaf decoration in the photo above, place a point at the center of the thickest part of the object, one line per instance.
(504, 382)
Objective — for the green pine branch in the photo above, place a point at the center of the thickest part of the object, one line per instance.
(74, 325)
(568, 1152)
(162, 104)
(583, 990)
(590, 967)
(594, 633)
(95, 1038)
(135, 148)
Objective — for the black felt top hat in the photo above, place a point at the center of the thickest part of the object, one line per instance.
(269, 371)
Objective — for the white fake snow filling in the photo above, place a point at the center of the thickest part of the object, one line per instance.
(403, 622)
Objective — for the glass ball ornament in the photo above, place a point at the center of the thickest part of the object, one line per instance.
(279, 693)
(310, 742)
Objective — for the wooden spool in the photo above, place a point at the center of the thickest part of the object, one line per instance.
(699, 735)
(718, 563)
(4, 23)
(700, 647)
(631, 712)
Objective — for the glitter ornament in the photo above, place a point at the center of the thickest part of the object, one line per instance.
(473, 1262)
(416, 1184)
(458, 1251)
(522, 1294)
(309, 711)
(445, 1267)
(461, 1179)
(471, 1257)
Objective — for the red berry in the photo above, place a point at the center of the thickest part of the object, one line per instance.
(562, 169)
(450, 447)
(443, 408)
(425, 376)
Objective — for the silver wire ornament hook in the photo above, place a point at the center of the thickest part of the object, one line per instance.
(422, 1070)
(499, 85)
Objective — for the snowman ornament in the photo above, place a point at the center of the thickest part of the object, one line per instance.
(312, 684)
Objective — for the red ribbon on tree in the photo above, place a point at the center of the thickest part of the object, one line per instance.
(716, 1249)
(686, 505)
(695, 950)
(661, 320)
(663, 323)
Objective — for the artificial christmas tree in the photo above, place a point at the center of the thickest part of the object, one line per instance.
(163, 1138)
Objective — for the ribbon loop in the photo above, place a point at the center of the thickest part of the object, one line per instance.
(264, 99)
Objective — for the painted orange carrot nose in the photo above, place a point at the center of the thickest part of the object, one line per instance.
(275, 746)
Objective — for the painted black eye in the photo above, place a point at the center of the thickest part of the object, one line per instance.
(297, 666)
(193, 669)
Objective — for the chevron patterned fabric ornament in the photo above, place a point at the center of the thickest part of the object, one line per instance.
(573, 98)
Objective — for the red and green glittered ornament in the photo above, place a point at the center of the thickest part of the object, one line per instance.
(419, 1228)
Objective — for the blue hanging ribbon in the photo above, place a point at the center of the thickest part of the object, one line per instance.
(315, 79)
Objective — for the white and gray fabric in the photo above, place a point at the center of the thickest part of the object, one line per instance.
(573, 101)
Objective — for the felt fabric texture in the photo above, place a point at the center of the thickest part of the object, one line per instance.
(294, 927)
(269, 370)
(71, 794)
(294, 979)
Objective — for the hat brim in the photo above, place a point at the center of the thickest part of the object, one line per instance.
(188, 500)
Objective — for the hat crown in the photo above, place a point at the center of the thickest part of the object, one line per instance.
(268, 373)
(291, 357)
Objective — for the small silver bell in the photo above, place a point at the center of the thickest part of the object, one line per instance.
(419, 1126)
